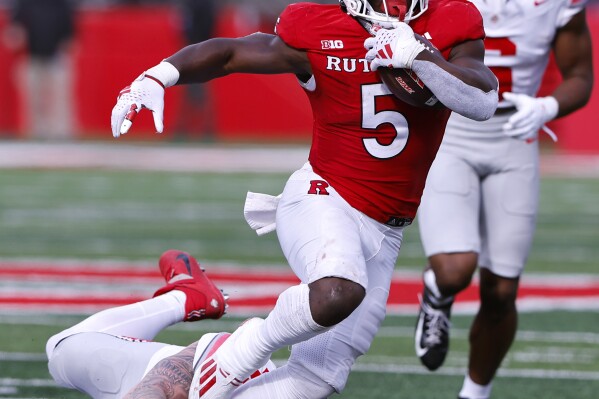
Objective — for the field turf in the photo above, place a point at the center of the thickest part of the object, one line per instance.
(91, 214)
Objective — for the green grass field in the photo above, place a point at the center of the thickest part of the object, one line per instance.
(126, 215)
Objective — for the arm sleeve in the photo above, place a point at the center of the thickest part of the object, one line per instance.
(456, 95)
(462, 22)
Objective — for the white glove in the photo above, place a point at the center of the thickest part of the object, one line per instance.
(147, 91)
(393, 48)
(531, 116)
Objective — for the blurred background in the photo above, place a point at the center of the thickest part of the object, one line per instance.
(64, 61)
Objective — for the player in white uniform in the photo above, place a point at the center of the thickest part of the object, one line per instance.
(481, 198)
(110, 356)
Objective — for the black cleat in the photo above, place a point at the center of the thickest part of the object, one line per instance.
(432, 331)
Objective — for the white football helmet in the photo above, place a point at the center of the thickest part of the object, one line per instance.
(393, 10)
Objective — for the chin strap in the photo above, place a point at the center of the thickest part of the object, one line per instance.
(369, 26)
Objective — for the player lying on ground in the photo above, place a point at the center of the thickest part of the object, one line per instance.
(110, 354)
(341, 216)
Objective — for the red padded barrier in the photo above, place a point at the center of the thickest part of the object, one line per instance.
(9, 114)
(116, 44)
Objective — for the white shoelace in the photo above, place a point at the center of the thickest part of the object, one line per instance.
(437, 323)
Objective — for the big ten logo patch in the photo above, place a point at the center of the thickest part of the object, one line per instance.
(318, 187)
(331, 44)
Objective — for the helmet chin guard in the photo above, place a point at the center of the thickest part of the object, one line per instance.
(393, 11)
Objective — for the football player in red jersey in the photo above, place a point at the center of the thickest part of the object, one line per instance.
(481, 199)
(340, 217)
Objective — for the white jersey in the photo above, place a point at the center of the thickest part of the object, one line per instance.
(519, 34)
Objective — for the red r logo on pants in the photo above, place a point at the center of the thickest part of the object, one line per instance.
(318, 187)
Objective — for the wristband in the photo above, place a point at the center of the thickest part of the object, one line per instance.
(165, 72)
(550, 108)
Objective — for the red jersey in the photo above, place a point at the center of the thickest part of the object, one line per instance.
(374, 149)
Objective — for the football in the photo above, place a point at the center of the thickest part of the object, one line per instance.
(405, 84)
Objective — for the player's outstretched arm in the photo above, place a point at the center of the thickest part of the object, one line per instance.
(257, 53)
(170, 378)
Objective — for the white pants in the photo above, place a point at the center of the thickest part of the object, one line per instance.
(481, 195)
(322, 236)
(104, 366)
(94, 357)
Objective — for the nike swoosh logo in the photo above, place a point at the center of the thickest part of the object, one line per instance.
(187, 264)
(539, 2)
(420, 351)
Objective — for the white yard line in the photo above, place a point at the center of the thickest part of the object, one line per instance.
(154, 157)
(458, 371)
(22, 382)
(387, 369)
(193, 157)
(22, 357)
(557, 337)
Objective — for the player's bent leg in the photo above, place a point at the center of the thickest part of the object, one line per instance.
(142, 320)
(251, 345)
(448, 275)
(323, 238)
(320, 366)
(449, 225)
(189, 295)
(330, 356)
(291, 322)
(333, 299)
(102, 365)
(453, 271)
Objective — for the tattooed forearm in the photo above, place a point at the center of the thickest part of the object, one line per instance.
(170, 378)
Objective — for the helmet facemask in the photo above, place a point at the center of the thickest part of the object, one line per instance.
(392, 11)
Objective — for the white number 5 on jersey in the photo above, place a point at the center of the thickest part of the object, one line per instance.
(372, 119)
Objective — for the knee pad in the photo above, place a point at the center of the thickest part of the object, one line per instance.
(101, 365)
(70, 366)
